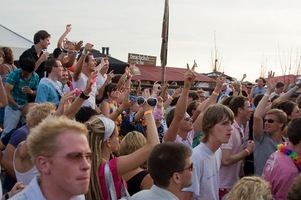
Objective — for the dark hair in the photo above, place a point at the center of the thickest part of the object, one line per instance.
(212, 116)
(49, 64)
(40, 35)
(174, 101)
(108, 88)
(294, 130)
(165, 159)
(286, 105)
(264, 81)
(57, 52)
(194, 95)
(192, 106)
(169, 117)
(27, 64)
(279, 84)
(236, 103)
(226, 100)
(8, 55)
(84, 114)
(257, 99)
(116, 78)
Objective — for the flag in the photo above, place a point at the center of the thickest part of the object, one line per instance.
(164, 35)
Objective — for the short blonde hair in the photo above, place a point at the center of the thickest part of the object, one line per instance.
(250, 188)
(133, 141)
(39, 112)
(42, 140)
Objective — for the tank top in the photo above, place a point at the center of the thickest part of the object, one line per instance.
(26, 177)
(135, 182)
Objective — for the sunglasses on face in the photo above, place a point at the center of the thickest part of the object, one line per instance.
(78, 156)
(271, 121)
(190, 168)
(150, 101)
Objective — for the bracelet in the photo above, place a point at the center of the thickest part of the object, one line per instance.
(267, 95)
(171, 98)
(293, 90)
(247, 151)
(148, 112)
(128, 77)
(215, 93)
(6, 196)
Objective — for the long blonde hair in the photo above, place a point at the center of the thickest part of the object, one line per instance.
(96, 134)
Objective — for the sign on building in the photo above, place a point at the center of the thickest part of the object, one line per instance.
(142, 59)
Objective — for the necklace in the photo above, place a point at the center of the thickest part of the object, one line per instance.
(295, 158)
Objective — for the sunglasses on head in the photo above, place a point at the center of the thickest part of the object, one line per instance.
(271, 121)
(150, 101)
(187, 118)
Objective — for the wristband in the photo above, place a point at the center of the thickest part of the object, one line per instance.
(171, 97)
(148, 112)
(247, 151)
(6, 196)
(215, 93)
(83, 96)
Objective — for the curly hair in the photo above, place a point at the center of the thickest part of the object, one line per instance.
(250, 188)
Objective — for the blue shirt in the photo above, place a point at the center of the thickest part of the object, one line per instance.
(16, 79)
(47, 93)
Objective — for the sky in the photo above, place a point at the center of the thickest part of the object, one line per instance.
(250, 36)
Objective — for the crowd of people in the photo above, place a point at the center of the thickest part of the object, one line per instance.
(73, 130)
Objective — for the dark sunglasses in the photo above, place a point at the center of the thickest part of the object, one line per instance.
(150, 101)
(190, 168)
(271, 121)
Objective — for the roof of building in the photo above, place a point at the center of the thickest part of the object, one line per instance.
(13, 40)
(154, 73)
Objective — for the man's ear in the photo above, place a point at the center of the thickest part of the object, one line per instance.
(43, 164)
(176, 178)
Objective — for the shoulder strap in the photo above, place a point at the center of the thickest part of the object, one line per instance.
(110, 183)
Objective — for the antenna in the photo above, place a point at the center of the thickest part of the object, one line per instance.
(215, 54)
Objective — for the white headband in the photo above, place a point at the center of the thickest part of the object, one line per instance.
(109, 127)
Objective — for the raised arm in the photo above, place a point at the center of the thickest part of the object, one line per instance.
(135, 159)
(180, 110)
(63, 36)
(76, 105)
(261, 107)
(176, 94)
(197, 125)
(80, 63)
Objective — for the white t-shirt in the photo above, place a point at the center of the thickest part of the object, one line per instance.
(81, 85)
(205, 176)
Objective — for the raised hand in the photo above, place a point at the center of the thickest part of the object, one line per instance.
(189, 76)
(272, 81)
(220, 80)
(78, 45)
(68, 28)
(89, 47)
